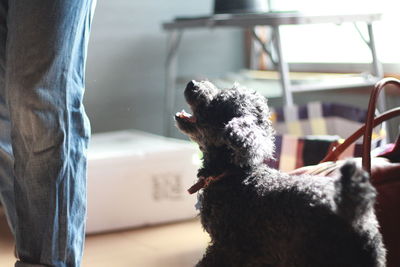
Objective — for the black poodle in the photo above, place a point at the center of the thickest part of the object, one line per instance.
(258, 216)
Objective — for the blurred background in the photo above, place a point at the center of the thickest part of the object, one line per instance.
(126, 60)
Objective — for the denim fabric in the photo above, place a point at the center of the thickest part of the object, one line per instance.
(44, 131)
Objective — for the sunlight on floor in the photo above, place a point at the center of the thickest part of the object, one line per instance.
(174, 245)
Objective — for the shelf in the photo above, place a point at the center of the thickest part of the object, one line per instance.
(268, 83)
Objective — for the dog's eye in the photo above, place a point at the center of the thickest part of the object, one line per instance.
(220, 115)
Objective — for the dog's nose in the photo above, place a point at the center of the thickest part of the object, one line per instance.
(199, 92)
(192, 85)
(192, 92)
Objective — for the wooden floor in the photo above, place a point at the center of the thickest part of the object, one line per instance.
(173, 245)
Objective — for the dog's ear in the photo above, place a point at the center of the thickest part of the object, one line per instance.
(250, 143)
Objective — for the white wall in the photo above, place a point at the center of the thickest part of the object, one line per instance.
(125, 68)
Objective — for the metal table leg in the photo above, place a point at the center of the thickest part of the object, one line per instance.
(283, 68)
(377, 71)
(264, 46)
(174, 38)
(377, 66)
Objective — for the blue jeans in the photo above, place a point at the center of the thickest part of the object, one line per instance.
(44, 131)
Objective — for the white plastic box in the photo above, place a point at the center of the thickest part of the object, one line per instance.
(137, 179)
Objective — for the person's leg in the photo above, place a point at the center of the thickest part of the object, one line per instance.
(6, 156)
(45, 62)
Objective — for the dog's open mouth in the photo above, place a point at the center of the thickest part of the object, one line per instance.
(186, 116)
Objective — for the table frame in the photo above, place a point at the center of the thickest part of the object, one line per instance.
(250, 21)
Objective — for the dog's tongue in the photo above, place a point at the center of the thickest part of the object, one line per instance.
(186, 116)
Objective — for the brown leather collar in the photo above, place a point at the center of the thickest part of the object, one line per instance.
(203, 182)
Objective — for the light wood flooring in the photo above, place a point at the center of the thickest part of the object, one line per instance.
(174, 245)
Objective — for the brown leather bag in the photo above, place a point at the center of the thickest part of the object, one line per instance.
(384, 171)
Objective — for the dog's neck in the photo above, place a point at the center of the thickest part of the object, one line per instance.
(217, 160)
(216, 166)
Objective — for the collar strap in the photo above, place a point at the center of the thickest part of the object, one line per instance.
(203, 182)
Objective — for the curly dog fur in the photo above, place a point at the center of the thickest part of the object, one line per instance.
(258, 216)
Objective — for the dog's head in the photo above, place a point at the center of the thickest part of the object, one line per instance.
(235, 120)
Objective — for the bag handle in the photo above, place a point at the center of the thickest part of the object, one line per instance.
(371, 122)
(366, 160)
(336, 150)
